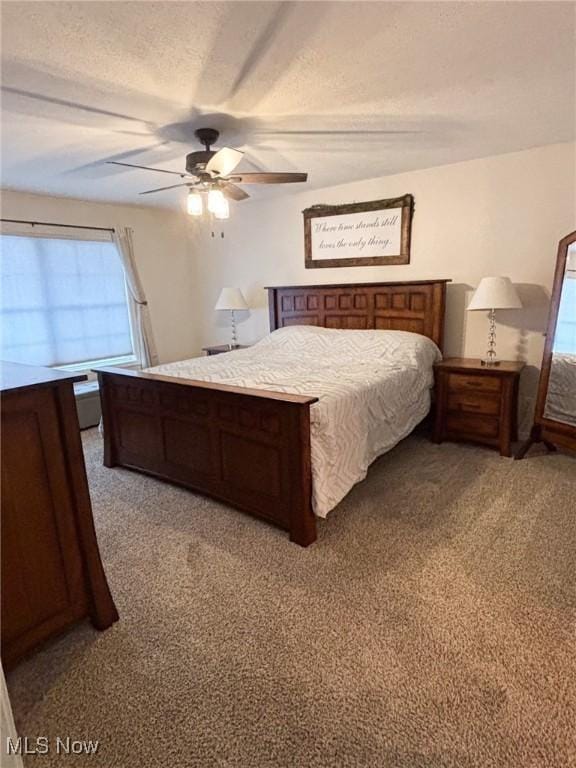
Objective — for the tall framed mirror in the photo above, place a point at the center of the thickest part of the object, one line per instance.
(555, 414)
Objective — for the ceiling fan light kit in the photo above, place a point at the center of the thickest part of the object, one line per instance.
(223, 211)
(217, 204)
(212, 171)
(195, 204)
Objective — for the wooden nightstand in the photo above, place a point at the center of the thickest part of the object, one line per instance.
(477, 403)
(220, 348)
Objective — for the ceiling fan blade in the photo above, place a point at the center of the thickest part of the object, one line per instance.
(328, 132)
(161, 189)
(224, 161)
(267, 178)
(66, 103)
(234, 193)
(147, 168)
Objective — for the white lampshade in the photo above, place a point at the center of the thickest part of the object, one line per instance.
(231, 298)
(495, 293)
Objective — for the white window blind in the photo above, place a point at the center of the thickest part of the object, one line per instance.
(62, 300)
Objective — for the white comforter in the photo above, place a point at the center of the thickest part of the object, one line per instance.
(373, 388)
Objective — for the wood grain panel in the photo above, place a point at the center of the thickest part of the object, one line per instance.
(134, 427)
(51, 571)
(239, 446)
(464, 383)
(382, 300)
(251, 466)
(417, 307)
(303, 320)
(189, 445)
(466, 424)
(346, 322)
(39, 588)
(474, 402)
(398, 324)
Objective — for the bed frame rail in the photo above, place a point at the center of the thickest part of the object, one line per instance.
(247, 447)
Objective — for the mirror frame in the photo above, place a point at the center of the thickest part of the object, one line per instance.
(545, 429)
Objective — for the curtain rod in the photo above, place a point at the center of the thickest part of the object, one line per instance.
(52, 224)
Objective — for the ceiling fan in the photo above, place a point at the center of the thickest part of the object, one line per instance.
(211, 171)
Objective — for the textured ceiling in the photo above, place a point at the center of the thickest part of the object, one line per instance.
(343, 90)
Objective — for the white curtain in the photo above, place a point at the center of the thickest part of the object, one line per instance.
(144, 346)
(7, 729)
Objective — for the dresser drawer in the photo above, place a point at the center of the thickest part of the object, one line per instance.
(466, 425)
(485, 403)
(459, 382)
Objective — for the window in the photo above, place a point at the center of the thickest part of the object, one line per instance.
(62, 300)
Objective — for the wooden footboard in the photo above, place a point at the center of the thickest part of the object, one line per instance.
(247, 447)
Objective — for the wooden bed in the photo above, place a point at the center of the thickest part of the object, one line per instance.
(250, 447)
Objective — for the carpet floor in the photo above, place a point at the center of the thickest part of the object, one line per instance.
(432, 625)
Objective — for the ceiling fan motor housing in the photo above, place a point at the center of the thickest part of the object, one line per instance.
(197, 161)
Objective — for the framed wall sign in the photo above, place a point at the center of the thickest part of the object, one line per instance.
(358, 234)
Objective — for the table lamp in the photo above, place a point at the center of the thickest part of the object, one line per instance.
(494, 293)
(231, 299)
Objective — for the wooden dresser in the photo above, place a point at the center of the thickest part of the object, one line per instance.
(52, 575)
(477, 403)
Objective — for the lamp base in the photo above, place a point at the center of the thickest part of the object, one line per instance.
(234, 343)
(490, 361)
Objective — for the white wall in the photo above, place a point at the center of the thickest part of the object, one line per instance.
(500, 215)
(162, 253)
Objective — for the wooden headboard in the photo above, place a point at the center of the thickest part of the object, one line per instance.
(417, 306)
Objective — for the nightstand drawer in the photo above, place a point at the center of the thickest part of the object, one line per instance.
(466, 424)
(486, 403)
(460, 382)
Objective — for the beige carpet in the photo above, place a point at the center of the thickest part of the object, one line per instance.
(431, 625)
